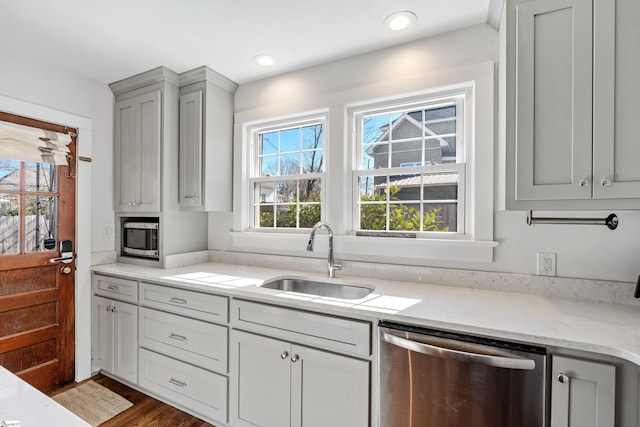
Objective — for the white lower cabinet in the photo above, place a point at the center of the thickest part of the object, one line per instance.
(194, 388)
(115, 338)
(582, 393)
(280, 384)
(183, 355)
(193, 341)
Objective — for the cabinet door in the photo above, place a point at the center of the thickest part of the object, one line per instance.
(328, 389)
(261, 367)
(149, 123)
(127, 156)
(191, 149)
(553, 105)
(582, 393)
(616, 94)
(125, 343)
(102, 334)
(137, 153)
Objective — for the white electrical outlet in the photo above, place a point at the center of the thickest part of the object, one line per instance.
(107, 230)
(546, 264)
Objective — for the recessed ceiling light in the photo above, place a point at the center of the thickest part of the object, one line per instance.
(264, 60)
(400, 20)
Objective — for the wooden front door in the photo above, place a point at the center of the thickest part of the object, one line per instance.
(37, 212)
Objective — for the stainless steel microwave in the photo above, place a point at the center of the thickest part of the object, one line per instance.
(140, 237)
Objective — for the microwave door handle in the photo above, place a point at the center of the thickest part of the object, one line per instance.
(462, 356)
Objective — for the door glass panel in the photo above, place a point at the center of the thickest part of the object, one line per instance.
(28, 207)
(39, 223)
(9, 224)
(9, 175)
(40, 177)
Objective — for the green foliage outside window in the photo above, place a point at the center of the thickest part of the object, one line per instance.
(309, 214)
(401, 217)
(372, 216)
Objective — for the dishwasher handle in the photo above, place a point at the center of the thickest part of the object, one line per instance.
(506, 361)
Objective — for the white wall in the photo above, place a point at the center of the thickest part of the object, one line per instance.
(28, 80)
(56, 95)
(582, 251)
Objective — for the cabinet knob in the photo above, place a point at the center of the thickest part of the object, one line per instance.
(284, 355)
(583, 183)
(295, 358)
(563, 378)
(605, 182)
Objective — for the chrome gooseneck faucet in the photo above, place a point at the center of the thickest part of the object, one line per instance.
(331, 265)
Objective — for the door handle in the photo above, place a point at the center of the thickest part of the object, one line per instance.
(66, 252)
(506, 361)
(64, 260)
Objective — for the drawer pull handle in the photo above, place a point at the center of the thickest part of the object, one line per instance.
(284, 355)
(178, 383)
(177, 337)
(295, 358)
(563, 378)
(113, 287)
(178, 300)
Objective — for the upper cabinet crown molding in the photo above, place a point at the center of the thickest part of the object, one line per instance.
(156, 75)
(205, 73)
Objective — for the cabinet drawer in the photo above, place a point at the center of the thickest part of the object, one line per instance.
(212, 308)
(193, 341)
(116, 288)
(186, 385)
(328, 332)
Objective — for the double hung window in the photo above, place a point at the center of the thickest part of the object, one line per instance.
(288, 175)
(410, 168)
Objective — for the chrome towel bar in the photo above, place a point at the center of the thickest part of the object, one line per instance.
(611, 221)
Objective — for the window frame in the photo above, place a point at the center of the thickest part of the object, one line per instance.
(476, 246)
(460, 95)
(254, 130)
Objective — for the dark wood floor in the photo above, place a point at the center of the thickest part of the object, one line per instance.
(146, 411)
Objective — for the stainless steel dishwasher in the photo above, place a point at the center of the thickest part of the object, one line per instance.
(431, 378)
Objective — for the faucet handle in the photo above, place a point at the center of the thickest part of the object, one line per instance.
(337, 267)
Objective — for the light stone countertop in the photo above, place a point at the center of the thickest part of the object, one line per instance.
(22, 403)
(604, 328)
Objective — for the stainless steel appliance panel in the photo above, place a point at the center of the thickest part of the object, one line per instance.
(439, 379)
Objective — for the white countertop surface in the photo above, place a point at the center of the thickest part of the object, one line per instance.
(21, 402)
(604, 328)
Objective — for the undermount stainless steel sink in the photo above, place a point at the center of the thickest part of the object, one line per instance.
(312, 286)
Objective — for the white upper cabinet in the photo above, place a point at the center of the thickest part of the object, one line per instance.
(571, 111)
(206, 140)
(137, 153)
(191, 149)
(145, 137)
(616, 97)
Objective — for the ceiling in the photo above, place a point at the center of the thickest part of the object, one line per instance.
(108, 40)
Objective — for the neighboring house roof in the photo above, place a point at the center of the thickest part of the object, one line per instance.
(442, 178)
(410, 119)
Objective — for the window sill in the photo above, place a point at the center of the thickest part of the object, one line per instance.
(380, 249)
